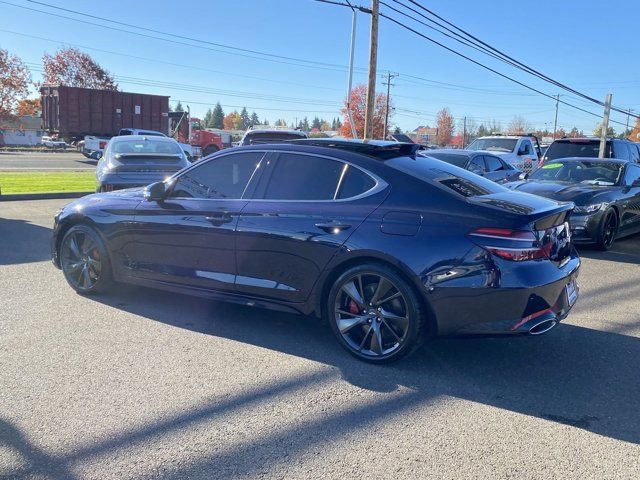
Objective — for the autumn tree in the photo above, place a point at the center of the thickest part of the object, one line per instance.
(15, 79)
(519, 124)
(358, 108)
(444, 126)
(227, 121)
(28, 106)
(574, 133)
(238, 122)
(280, 123)
(73, 68)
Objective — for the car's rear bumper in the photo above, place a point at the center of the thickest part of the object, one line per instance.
(498, 308)
(109, 182)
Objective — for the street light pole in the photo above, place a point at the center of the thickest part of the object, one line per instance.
(555, 122)
(386, 110)
(605, 125)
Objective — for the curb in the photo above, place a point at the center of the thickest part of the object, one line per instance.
(42, 196)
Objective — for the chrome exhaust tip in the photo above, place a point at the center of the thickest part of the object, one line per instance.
(543, 326)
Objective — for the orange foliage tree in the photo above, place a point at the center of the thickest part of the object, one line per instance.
(28, 106)
(14, 82)
(445, 126)
(358, 108)
(73, 68)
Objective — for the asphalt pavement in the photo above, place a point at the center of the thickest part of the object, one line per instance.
(145, 384)
(40, 161)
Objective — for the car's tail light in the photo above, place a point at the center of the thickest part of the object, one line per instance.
(108, 188)
(514, 245)
(102, 145)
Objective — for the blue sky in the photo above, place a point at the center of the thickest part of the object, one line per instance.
(561, 39)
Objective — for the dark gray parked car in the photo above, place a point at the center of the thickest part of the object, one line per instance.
(138, 160)
(478, 162)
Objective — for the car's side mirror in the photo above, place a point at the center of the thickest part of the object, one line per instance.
(156, 192)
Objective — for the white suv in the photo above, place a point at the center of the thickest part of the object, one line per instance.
(519, 151)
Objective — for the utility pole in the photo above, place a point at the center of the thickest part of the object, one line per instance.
(464, 131)
(605, 125)
(627, 129)
(352, 47)
(373, 61)
(386, 109)
(555, 122)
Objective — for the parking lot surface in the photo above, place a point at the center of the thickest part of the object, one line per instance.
(145, 384)
(19, 161)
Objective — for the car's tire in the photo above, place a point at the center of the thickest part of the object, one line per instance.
(84, 261)
(209, 150)
(608, 230)
(382, 320)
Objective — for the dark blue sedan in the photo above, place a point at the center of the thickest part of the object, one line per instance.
(389, 247)
(481, 163)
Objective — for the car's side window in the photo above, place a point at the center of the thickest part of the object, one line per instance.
(635, 152)
(303, 177)
(477, 164)
(223, 177)
(493, 163)
(525, 148)
(632, 174)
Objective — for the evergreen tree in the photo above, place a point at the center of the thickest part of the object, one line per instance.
(305, 124)
(244, 115)
(265, 121)
(179, 107)
(217, 117)
(254, 119)
(206, 120)
(316, 123)
(397, 130)
(338, 124)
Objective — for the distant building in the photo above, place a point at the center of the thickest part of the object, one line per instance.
(424, 134)
(21, 130)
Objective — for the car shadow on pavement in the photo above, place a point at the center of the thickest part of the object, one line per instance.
(625, 250)
(573, 375)
(23, 242)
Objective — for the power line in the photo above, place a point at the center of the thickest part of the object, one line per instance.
(517, 63)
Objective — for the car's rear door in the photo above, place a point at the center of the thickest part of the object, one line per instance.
(304, 209)
(630, 216)
(189, 238)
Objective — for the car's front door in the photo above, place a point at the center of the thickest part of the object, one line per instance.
(188, 238)
(495, 169)
(304, 209)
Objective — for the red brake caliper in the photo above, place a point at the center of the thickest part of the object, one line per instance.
(353, 307)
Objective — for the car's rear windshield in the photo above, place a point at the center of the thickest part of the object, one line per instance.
(146, 146)
(591, 173)
(452, 158)
(502, 145)
(275, 137)
(575, 148)
(446, 176)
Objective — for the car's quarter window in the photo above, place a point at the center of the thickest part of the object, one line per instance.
(525, 148)
(635, 152)
(632, 174)
(493, 163)
(297, 176)
(223, 177)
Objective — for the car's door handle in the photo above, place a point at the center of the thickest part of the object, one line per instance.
(333, 227)
(218, 219)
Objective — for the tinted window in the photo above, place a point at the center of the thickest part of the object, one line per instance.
(576, 148)
(304, 177)
(146, 146)
(525, 148)
(621, 151)
(271, 137)
(477, 164)
(354, 182)
(635, 152)
(632, 174)
(452, 158)
(493, 163)
(223, 177)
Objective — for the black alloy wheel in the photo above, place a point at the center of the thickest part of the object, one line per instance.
(608, 230)
(375, 314)
(84, 262)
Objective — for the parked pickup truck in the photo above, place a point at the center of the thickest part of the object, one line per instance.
(521, 151)
(51, 142)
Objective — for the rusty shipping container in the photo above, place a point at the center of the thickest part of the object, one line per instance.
(74, 112)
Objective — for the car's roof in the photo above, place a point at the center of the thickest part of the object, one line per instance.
(456, 151)
(508, 137)
(589, 159)
(152, 138)
(585, 139)
(276, 130)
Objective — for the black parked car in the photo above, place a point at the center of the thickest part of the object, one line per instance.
(138, 160)
(606, 193)
(480, 163)
(589, 147)
(261, 136)
(389, 247)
